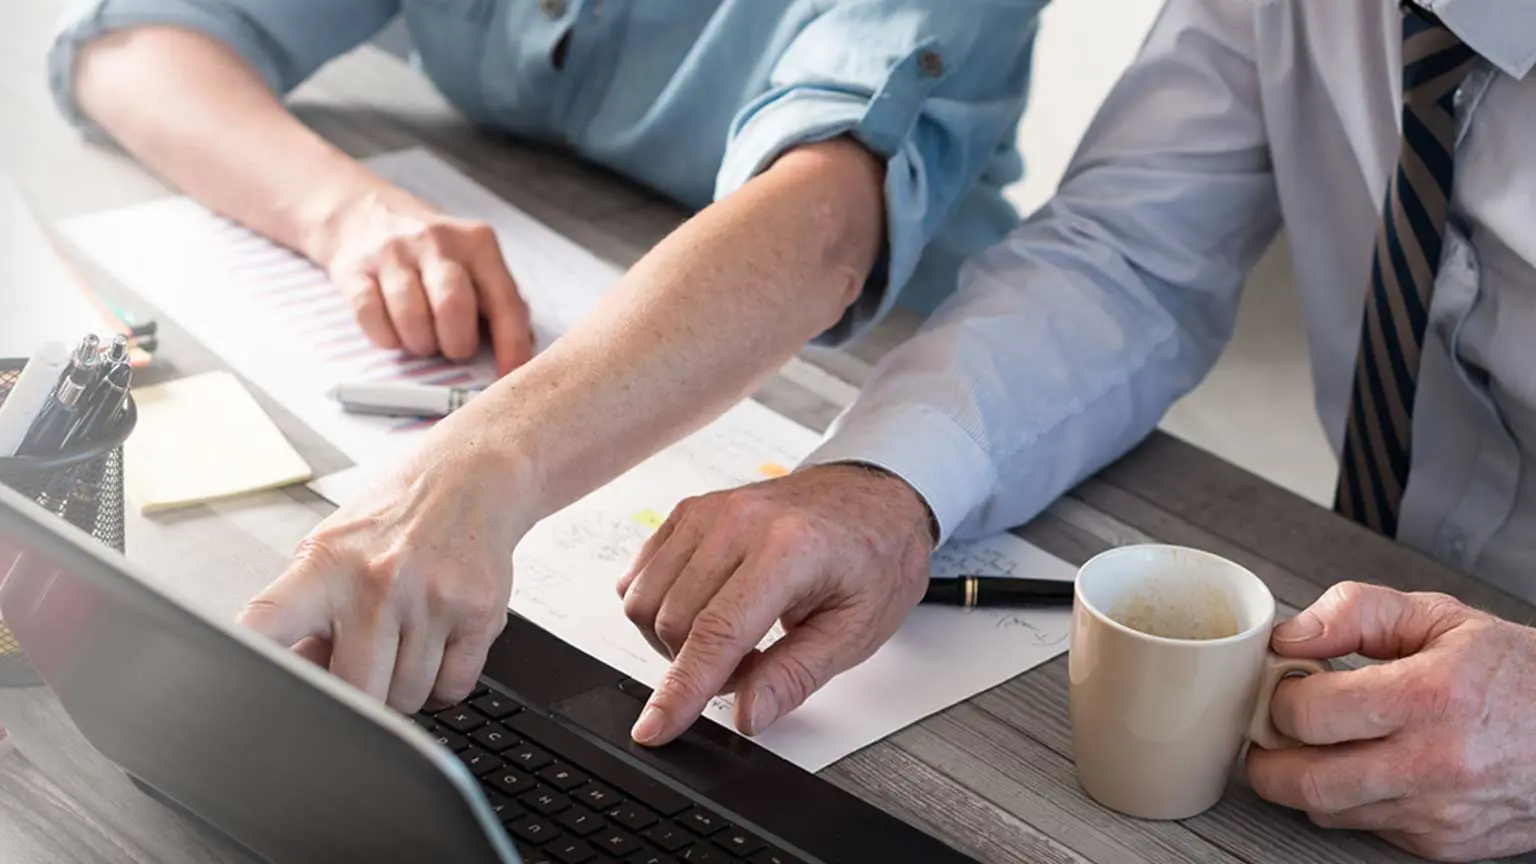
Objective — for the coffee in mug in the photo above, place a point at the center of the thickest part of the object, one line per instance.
(1170, 671)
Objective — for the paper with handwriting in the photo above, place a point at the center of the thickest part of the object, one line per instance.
(568, 567)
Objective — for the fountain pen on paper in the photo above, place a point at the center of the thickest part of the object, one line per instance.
(972, 592)
(402, 400)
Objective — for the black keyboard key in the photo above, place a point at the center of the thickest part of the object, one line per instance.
(563, 777)
(534, 830)
(448, 738)
(632, 816)
(630, 781)
(581, 821)
(479, 762)
(493, 738)
(649, 856)
(425, 721)
(480, 690)
(705, 853)
(598, 797)
(670, 836)
(702, 822)
(738, 842)
(462, 720)
(615, 843)
(510, 781)
(569, 850)
(770, 856)
(545, 801)
(527, 757)
(505, 808)
(530, 855)
(494, 706)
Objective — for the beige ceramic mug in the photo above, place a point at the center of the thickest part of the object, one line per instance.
(1171, 671)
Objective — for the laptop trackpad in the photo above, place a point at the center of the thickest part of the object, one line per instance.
(703, 757)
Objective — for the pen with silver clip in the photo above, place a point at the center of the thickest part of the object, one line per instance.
(103, 404)
(53, 424)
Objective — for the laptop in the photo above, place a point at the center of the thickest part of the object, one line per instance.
(278, 756)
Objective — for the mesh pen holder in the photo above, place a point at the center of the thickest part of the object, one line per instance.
(82, 485)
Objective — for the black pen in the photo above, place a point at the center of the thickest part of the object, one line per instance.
(58, 416)
(971, 592)
(100, 406)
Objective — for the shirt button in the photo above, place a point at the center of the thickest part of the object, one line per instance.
(930, 64)
(552, 8)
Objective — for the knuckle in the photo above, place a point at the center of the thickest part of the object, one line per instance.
(455, 299)
(797, 681)
(480, 233)
(1312, 790)
(640, 609)
(683, 679)
(1450, 819)
(718, 627)
(319, 553)
(436, 235)
(672, 629)
(790, 529)
(1348, 595)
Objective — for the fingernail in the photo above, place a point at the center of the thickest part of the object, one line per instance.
(649, 725)
(1299, 629)
(765, 710)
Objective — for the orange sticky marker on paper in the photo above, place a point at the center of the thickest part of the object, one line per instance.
(772, 469)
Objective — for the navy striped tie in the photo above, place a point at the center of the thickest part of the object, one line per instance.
(1374, 467)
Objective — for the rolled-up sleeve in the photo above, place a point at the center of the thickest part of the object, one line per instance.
(284, 40)
(1066, 343)
(934, 87)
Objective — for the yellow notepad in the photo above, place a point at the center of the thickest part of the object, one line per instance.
(201, 439)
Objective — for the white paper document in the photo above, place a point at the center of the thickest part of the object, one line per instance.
(567, 568)
(276, 319)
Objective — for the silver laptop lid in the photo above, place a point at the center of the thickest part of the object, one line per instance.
(264, 747)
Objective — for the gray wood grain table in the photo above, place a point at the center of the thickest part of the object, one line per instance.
(992, 776)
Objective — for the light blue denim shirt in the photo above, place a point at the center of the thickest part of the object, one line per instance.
(1067, 343)
(693, 97)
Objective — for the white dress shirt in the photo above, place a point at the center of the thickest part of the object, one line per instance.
(1069, 340)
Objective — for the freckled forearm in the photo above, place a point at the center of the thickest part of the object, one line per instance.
(695, 326)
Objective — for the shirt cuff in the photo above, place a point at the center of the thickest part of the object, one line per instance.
(90, 20)
(883, 121)
(926, 449)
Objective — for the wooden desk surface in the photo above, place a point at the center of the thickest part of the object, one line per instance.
(992, 776)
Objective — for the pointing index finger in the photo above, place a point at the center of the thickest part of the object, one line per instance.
(296, 606)
(728, 629)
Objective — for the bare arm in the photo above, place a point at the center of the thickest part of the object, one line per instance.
(694, 327)
(197, 114)
(409, 582)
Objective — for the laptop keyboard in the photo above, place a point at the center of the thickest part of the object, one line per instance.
(565, 801)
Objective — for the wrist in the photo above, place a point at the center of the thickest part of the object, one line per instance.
(325, 217)
(916, 515)
(470, 451)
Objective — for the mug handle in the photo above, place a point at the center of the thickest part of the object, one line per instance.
(1261, 729)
